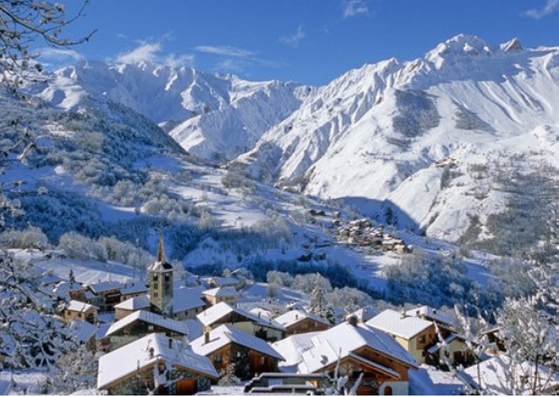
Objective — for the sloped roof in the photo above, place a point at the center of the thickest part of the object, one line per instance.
(134, 289)
(432, 313)
(296, 316)
(187, 298)
(397, 324)
(325, 347)
(221, 292)
(160, 267)
(150, 318)
(82, 330)
(224, 335)
(105, 286)
(215, 313)
(224, 281)
(80, 307)
(363, 315)
(129, 358)
(135, 303)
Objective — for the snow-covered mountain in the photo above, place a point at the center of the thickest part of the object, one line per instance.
(386, 133)
(214, 116)
(398, 135)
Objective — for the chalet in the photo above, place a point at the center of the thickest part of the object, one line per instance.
(227, 345)
(221, 294)
(187, 303)
(131, 305)
(300, 321)
(413, 333)
(108, 292)
(362, 315)
(421, 337)
(223, 313)
(155, 363)
(141, 323)
(357, 349)
(72, 289)
(132, 291)
(81, 311)
(435, 315)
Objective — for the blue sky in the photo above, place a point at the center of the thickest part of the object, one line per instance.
(309, 41)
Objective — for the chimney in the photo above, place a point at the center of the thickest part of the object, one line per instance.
(206, 337)
(151, 352)
(352, 320)
(402, 314)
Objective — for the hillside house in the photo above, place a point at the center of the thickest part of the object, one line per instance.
(132, 305)
(141, 323)
(421, 338)
(227, 345)
(80, 311)
(221, 294)
(155, 363)
(187, 303)
(300, 321)
(108, 292)
(359, 349)
(223, 313)
(431, 314)
(132, 291)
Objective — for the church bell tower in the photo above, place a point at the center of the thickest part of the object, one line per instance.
(160, 280)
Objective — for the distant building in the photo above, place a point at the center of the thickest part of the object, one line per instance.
(155, 364)
(227, 345)
(160, 280)
(223, 313)
(132, 305)
(80, 311)
(132, 291)
(108, 293)
(221, 294)
(187, 303)
(300, 321)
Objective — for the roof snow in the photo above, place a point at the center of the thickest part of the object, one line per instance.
(311, 353)
(185, 299)
(399, 324)
(215, 313)
(80, 307)
(66, 287)
(105, 286)
(130, 358)
(432, 313)
(135, 303)
(224, 335)
(296, 316)
(363, 315)
(160, 267)
(82, 330)
(221, 292)
(150, 318)
(224, 281)
(134, 289)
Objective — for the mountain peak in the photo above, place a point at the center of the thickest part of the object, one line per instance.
(459, 45)
(513, 45)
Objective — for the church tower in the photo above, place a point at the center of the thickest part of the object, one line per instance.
(160, 280)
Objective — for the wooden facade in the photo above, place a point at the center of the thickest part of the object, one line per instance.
(238, 321)
(248, 363)
(306, 325)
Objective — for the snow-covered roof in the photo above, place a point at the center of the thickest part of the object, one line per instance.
(260, 312)
(105, 286)
(221, 292)
(66, 286)
(160, 267)
(186, 299)
(130, 358)
(323, 348)
(495, 372)
(296, 316)
(89, 295)
(447, 341)
(398, 324)
(224, 281)
(224, 335)
(80, 307)
(82, 330)
(222, 309)
(363, 315)
(433, 314)
(134, 289)
(150, 318)
(135, 303)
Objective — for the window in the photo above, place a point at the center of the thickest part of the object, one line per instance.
(263, 360)
(156, 286)
(422, 339)
(167, 277)
(388, 391)
(217, 358)
(155, 277)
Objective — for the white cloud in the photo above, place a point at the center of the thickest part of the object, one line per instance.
(550, 7)
(231, 65)
(295, 38)
(355, 8)
(146, 52)
(151, 52)
(225, 50)
(59, 54)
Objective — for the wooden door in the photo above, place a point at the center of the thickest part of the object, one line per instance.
(186, 386)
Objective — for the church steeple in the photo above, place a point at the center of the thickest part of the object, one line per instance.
(160, 279)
